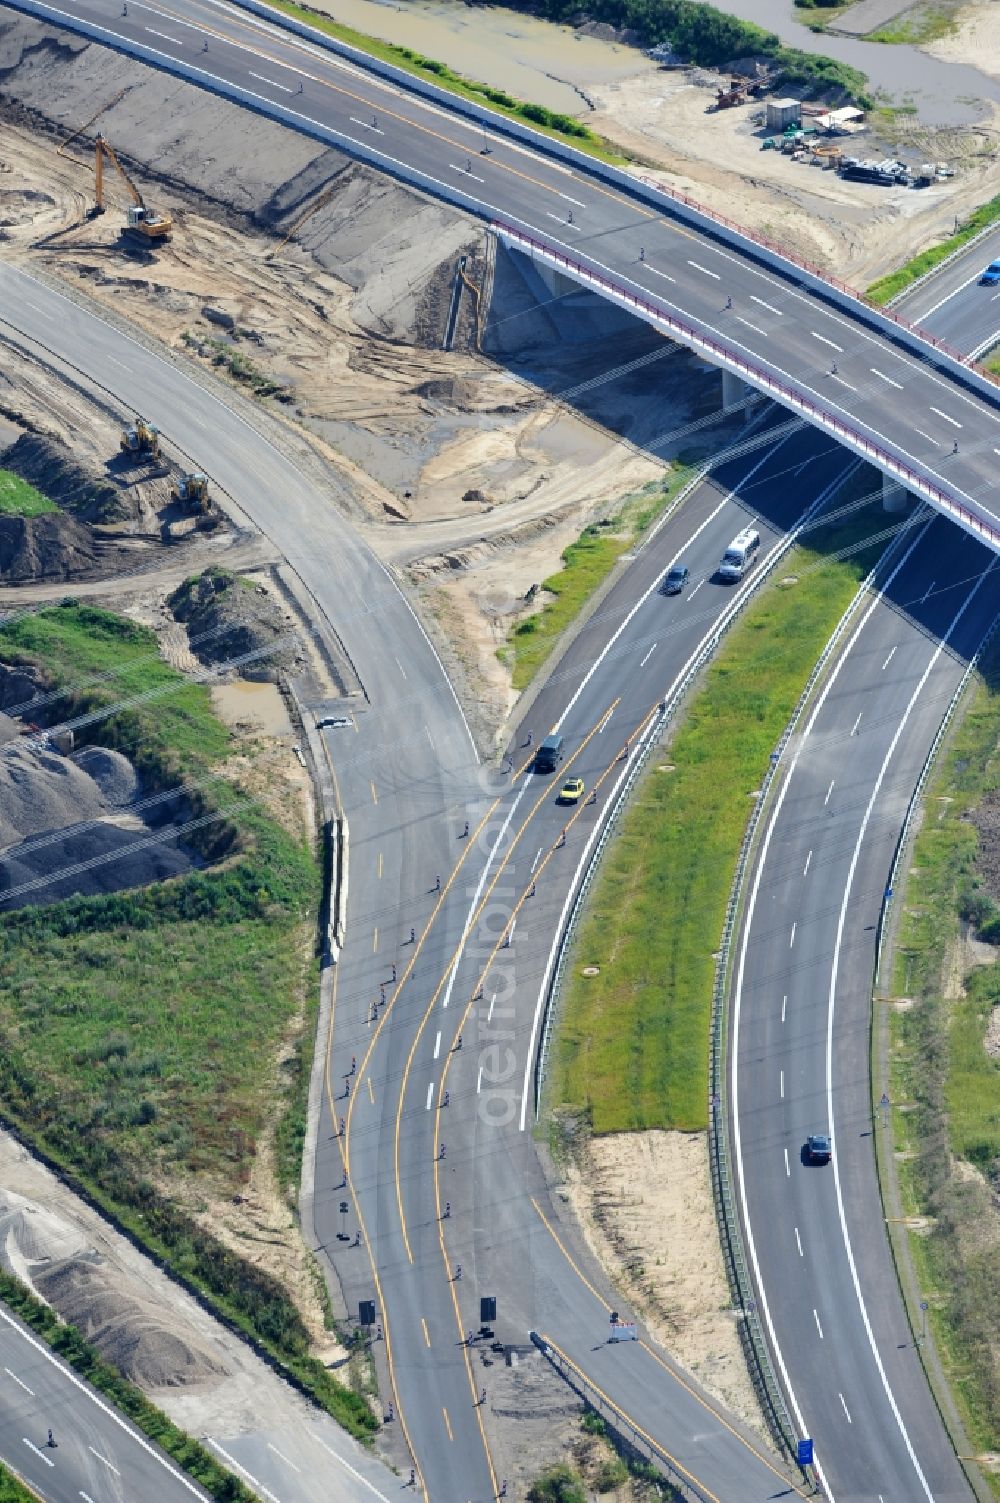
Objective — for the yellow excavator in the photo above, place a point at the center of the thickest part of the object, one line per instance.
(141, 438)
(142, 226)
(191, 490)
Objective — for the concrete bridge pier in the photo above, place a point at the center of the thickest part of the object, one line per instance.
(895, 497)
(735, 392)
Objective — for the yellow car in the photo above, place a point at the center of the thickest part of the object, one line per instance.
(570, 791)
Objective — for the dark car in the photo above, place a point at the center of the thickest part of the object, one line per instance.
(675, 580)
(818, 1148)
(332, 722)
(991, 275)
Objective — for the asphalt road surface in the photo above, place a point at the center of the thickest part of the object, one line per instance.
(910, 406)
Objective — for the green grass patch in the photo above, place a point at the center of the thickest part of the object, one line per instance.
(140, 1029)
(77, 1352)
(19, 499)
(631, 1048)
(941, 1072)
(551, 122)
(895, 282)
(922, 24)
(585, 565)
(14, 1491)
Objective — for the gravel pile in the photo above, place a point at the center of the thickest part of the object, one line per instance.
(113, 773)
(48, 872)
(41, 791)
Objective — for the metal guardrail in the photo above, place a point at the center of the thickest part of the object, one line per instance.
(729, 358)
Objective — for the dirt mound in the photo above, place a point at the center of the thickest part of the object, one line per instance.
(228, 617)
(52, 546)
(48, 872)
(30, 1233)
(52, 468)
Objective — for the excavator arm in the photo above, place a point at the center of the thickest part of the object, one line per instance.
(140, 221)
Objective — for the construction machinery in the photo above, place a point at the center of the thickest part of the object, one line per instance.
(141, 438)
(191, 491)
(142, 226)
(736, 94)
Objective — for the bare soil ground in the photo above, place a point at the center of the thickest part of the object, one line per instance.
(974, 38)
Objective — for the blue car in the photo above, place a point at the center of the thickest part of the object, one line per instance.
(991, 275)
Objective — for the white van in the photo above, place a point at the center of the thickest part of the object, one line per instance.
(741, 555)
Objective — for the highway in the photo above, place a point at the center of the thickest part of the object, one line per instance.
(832, 362)
(409, 780)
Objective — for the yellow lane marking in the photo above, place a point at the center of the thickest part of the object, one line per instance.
(447, 1424)
(656, 1356)
(427, 1337)
(545, 794)
(374, 794)
(371, 1090)
(653, 1445)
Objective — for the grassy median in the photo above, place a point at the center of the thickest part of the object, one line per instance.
(890, 286)
(631, 1048)
(945, 1083)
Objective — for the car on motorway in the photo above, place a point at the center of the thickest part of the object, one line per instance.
(818, 1148)
(332, 722)
(740, 557)
(991, 276)
(571, 791)
(675, 579)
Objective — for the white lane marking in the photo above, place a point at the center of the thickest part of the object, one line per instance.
(841, 382)
(823, 340)
(109, 1464)
(927, 591)
(283, 1457)
(41, 1454)
(35, 309)
(791, 939)
(430, 1095)
(604, 723)
(888, 660)
(560, 220)
(784, 1004)
(272, 83)
(788, 1169)
(569, 200)
(805, 869)
(947, 417)
(430, 737)
(769, 306)
(437, 1044)
(828, 792)
(237, 1466)
(400, 667)
(705, 269)
(854, 727)
(466, 172)
(781, 1084)
(657, 273)
(831, 1001)
(341, 1461)
(846, 1410)
(648, 656)
(535, 862)
(798, 1243)
(818, 1326)
(929, 437)
(489, 1015)
(86, 1496)
(883, 377)
(19, 1381)
(479, 1080)
(695, 590)
(367, 125)
(749, 325)
(738, 991)
(164, 37)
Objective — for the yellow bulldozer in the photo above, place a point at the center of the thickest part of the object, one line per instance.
(142, 226)
(141, 438)
(191, 491)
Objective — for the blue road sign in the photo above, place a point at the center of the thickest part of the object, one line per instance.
(804, 1452)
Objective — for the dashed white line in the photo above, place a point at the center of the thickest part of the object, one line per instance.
(713, 274)
(662, 274)
(784, 1004)
(888, 660)
(86, 1497)
(695, 590)
(35, 309)
(535, 862)
(841, 382)
(887, 379)
(400, 667)
(479, 1080)
(823, 340)
(19, 1381)
(755, 327)
(828, 792)
(648, 656)
(559, 219)
(367, 125)
(237, 1466)
(854, 727)
(791, 937)
(929, 437)
(606, 721)
(798, 1243)
(283, 1457)
(788, 1168)
(494, 996)
(572, 200)
(466, 172)
(41, 1454)
(818, 1326)
(109, 1464)
(437, 1044)
(430, 1095)
(847, 1412)
(805, 869)
(174, 40)
(781, 1084)
(272, 83)
(947, 417)
(769, 306)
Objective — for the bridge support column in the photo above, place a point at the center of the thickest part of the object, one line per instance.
(895, 497)
(557, 284)
(734, 392)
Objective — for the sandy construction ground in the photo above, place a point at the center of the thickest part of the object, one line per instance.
(975, 38)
